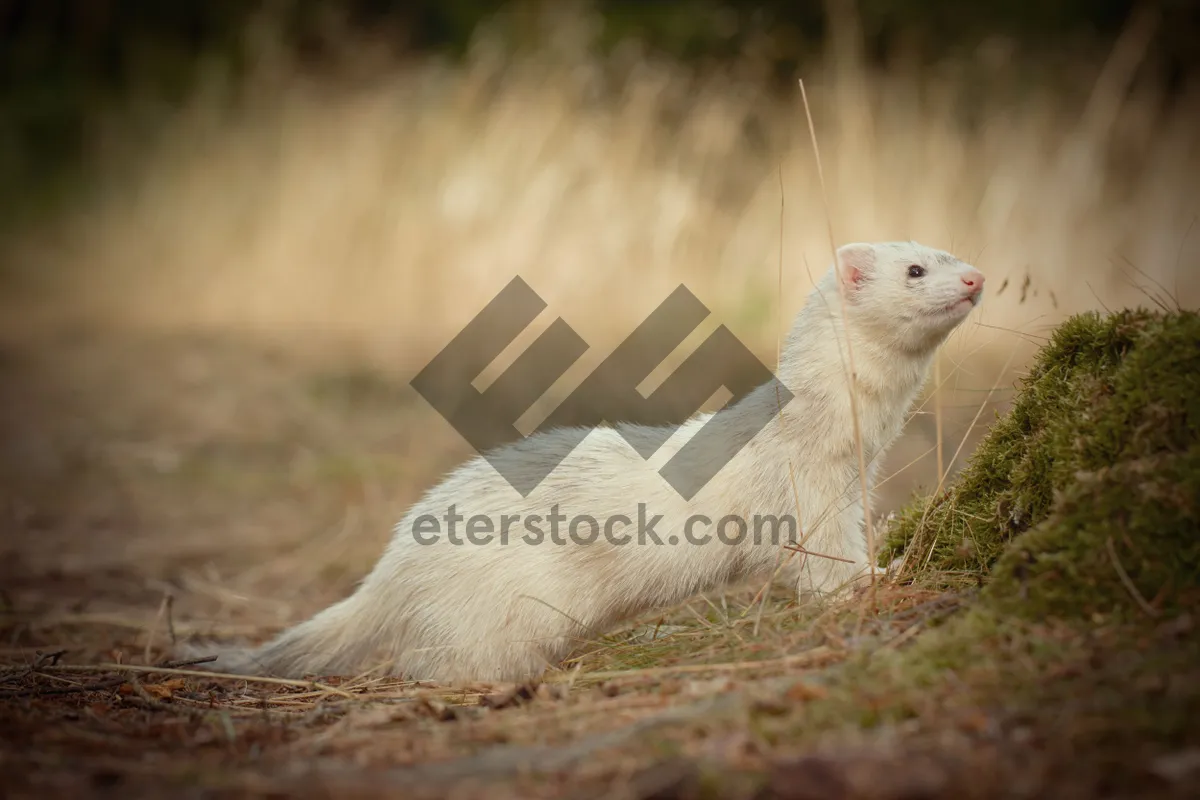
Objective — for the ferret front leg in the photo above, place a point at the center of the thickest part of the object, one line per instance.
(834, 563)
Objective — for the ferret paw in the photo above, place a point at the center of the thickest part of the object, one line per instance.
(840, 580)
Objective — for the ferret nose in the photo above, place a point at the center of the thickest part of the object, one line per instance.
(973, 280)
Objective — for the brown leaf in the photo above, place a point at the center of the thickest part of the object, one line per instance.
(514, 696)
(801, 691)
(164, 690)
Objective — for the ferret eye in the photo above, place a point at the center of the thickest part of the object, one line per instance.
(916, 271)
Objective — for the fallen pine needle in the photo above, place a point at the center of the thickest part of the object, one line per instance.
(197, 673)
(811, 656)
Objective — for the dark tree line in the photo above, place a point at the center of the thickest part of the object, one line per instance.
(61, 58)
(108, 39)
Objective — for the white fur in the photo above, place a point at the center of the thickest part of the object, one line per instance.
(506, 612)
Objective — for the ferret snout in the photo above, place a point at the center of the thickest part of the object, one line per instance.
(973, 280)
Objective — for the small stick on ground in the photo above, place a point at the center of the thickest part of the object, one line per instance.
(162, 611)
(186, 663)
(171, 619)
(40, 691)
(40, 660)
(810, 657)
(196, 673)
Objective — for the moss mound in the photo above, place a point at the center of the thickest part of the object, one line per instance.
(1085, 497)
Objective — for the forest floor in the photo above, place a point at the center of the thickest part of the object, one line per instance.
(159, 490)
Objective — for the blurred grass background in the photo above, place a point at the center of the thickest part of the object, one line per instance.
(232, 231)
(65, 60)
(363, 153)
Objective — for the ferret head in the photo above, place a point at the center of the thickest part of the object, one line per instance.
(910, 293)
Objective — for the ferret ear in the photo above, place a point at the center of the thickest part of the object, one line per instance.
(854, 262)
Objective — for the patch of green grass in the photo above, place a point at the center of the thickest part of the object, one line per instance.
(1103, 442)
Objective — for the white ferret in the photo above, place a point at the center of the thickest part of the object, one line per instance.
(495, 602)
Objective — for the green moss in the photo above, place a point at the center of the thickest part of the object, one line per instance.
(1102, 442)
(1137, 520)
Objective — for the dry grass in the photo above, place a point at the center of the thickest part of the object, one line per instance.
(207, 429)
(395, 202)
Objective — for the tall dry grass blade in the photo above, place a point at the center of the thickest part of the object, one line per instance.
(765, 592)
(937, 411)
(853, 377)
(942, 477)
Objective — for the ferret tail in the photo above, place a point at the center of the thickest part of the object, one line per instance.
(338, 641)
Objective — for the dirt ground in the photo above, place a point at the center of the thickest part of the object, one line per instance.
(160, 490)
